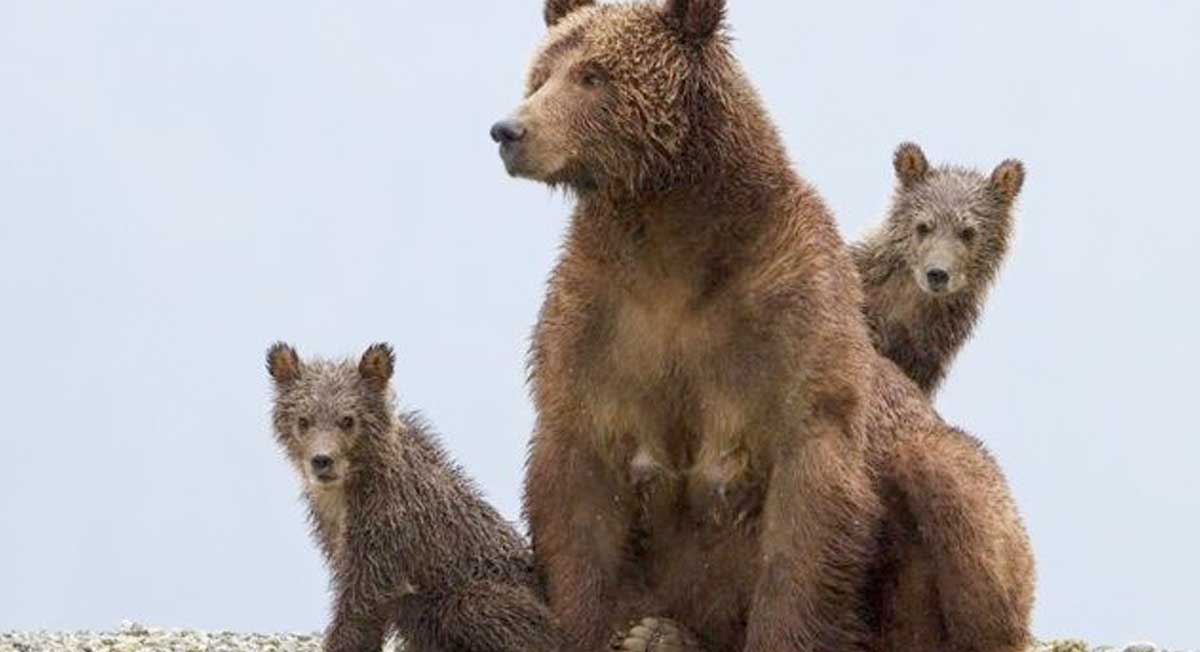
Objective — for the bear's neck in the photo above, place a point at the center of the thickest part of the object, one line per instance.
(327, 514)
(732, 163)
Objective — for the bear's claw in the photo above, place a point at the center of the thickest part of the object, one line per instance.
(655, 635)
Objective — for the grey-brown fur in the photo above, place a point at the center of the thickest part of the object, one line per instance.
(413, 547)
(947, 219)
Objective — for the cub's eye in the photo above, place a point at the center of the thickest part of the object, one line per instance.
(967, 233)
(924, 229)
(346, 423)
(303, 423)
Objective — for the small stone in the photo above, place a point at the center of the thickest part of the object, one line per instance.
(1062, 645)
(1141, 646)
(133, 628)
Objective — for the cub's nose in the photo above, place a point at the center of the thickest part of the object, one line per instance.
(938, 278)
(321, 464)
(507, 131)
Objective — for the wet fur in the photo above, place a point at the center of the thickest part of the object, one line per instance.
(922, 332)
(716, 439)
(413, 547)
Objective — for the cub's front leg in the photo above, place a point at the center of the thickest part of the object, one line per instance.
(360, 617)
(580, 519)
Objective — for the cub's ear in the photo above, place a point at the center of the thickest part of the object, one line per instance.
(556, 10)
(377, 365)
(911, 164)
(1007, 179)
(283, 364)
(696, 19)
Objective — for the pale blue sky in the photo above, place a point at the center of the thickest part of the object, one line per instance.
(182, 183)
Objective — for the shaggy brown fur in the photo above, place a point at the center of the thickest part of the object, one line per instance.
(714, 430)
(927, 270)
(954, 569)
(413, 546)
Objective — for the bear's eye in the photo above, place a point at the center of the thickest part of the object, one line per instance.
(592, 77)
(303, 423)
(346, 423)
(924, 229)
(967, 233)
(536, 85)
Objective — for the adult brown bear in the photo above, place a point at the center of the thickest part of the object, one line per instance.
(717, 442)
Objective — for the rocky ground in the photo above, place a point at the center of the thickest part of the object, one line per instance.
(133, 637)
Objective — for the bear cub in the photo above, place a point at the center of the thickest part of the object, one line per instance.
(413, 547)
(927, 269)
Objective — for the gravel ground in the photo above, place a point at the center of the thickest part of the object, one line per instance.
(133, 637)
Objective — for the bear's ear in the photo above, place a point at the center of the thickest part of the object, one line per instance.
(377, 365)
(1007, 179)
(283, 364)
(696, 19)
(910, 163)
(556, 10)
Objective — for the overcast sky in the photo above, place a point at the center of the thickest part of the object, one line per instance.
(182, 183)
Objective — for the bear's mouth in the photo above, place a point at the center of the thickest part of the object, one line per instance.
(326, 477)
(510, 154)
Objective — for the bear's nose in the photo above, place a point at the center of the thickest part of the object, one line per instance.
(322, 464)
(507, 131)
(938, 278)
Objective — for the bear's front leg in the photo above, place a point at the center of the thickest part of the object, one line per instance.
(819, 527)
(580, 520)
(358, 625)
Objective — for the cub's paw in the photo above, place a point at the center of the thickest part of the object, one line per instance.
(655, 635)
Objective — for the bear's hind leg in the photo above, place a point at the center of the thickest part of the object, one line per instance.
(973, 538)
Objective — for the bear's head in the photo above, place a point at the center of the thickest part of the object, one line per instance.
(955, 222)
(617, 94)
(325, 411)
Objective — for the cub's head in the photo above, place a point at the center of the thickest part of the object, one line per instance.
(615, 92)
(325, 410)
(954, 222)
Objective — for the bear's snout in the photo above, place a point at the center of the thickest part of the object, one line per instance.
(938, 279)
(322, 466)
(507, 131)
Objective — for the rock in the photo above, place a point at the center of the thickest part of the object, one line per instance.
(133, 628)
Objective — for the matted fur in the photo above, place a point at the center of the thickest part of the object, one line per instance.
(556, 10)
(412, 545)
(716, 440)
(962, 217)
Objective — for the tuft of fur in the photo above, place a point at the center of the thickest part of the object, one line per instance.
(413, 547)
(715, 433)
(556, 10)
(697, 19)
(948, 218)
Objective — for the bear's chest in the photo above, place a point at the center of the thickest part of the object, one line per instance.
(664, 379)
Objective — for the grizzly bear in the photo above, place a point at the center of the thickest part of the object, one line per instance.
(717, 443)
(927, 269)
(413, 548)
